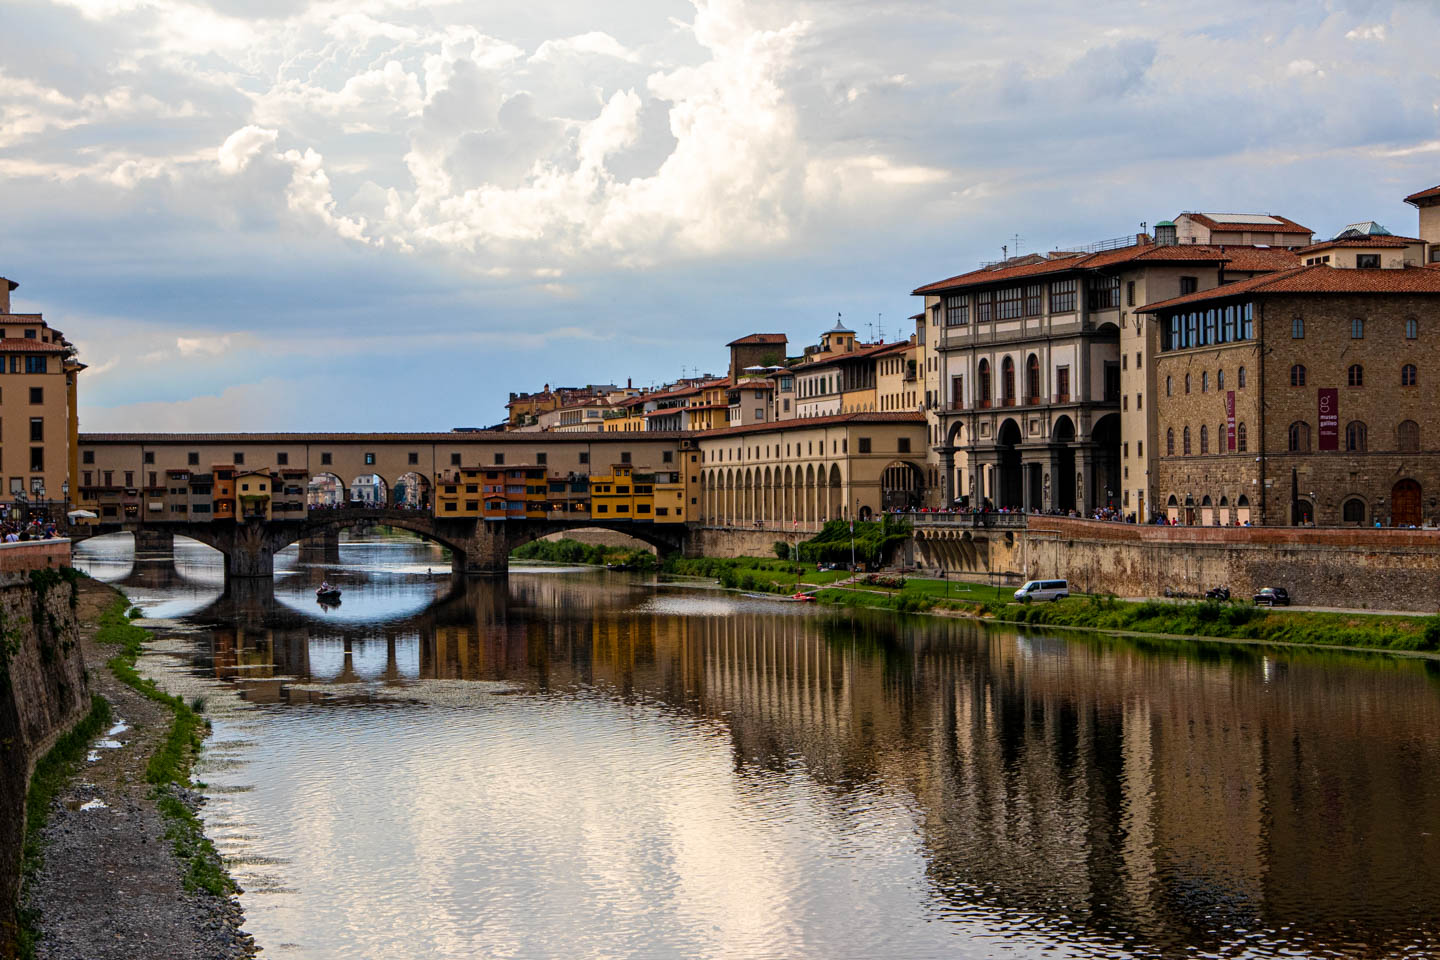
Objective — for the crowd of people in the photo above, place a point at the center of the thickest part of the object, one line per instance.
(14, 531)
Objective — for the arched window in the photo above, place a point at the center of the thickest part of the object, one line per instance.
(1169, 387)
(1170, 442)
(1355, 436)
(1205, 381)
(1204, 439)
(1219, 379)
(1240, 378)
(1353, 511)
(1187, 383)
(1297, 375)
(1032, 378)
(1297, 327)
(1356, 375)
(1407, 375)
(1007, 381)
(1187, 441)
(1240, 445)
(984, 384)
(1220, 437)
(1407, 437)
(1299, 437)
(1412, 328)
(1357, 328)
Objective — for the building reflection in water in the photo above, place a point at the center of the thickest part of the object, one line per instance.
(1143, 797)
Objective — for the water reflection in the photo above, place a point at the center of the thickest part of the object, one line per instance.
(588, 763)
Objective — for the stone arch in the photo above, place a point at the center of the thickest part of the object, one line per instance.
(325, 490)
(412, 489)
(835, 507)
(808, 514)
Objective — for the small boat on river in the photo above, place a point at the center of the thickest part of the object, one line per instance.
(327, 593)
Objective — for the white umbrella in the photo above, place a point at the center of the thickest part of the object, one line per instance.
(81, 515)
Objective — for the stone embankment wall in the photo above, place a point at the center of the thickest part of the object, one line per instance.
(737, 541)
(602, 538)
(1357, 568)
(42, 689)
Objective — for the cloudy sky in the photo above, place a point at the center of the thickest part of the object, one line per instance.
(387, 214)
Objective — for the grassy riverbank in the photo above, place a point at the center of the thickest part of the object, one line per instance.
(1209, 619)
(573, 551)
(169, 766)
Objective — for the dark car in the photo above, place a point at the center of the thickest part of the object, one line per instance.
(1273, 596)
(1217, 593)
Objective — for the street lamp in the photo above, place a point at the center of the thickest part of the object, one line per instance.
(852, 534)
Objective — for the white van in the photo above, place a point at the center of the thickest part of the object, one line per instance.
(1044, 590)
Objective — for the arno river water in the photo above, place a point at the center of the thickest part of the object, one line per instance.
(574, 763)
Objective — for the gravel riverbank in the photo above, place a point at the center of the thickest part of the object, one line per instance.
(111, 885)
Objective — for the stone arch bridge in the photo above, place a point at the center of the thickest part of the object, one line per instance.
(477, 547)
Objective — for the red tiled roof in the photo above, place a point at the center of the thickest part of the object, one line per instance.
(1245, 258)
(1432, 193)
(1315, 279)
(802, 423)
(1373, 240)
(861, 351)
(753, 384)
(1286, 225)
(759, 338)
(27, 345)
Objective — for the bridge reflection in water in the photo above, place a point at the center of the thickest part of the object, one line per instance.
(1099, 797)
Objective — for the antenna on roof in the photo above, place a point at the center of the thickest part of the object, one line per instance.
(880, 324)
(1017, 240)
(1004, 252)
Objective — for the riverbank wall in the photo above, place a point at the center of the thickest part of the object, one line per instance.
(43, 689)
(1361, 568)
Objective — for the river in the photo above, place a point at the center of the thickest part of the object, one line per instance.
(579, 763)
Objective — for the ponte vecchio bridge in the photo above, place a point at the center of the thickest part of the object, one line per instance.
(483, 493)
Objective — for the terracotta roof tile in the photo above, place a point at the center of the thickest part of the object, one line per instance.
(1250, 259)
(1432, 193)
(27, 345)
(1217, 222)
(1316, 279)
(759, 338)
(802, 423)
(1374, 240)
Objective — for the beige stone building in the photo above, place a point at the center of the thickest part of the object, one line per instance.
(1427, 202)
(1301, 397)
(1240, 229)
(39, 455)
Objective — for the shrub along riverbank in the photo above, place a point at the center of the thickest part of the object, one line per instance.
(1209, 619)
(573, 551)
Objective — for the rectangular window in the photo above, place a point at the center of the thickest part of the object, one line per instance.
(1034, 299)
(369, 459)
(1367, 261)
(149, 456)
(324, 459)
(1188, 285)
(88, 456)
(37, 461)
(452, 507)
(1297, 327)
(499, 459)
(585, 457)
(37, 429)
(668, 456)
(89, 477)
(542, 458)
(1130, 293)
(414, 458)
(454, 459)
(1008, 303)
(239, 458)
(282, 458)
(1062, 296)
(1357, 328)
(109, 479)
(902, 445)
(37, 394)
(864, 445)
(983, 304)
(1062, 384)
(35, 364)
(1104, 293)
(625, 457)
(957, 311)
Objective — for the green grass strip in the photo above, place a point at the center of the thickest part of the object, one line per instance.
(52, 772)
(172, 761)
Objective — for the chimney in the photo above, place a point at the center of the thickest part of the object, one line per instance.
(629, 383)
(5, 287)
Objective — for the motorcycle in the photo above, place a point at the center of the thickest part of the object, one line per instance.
(1218, 593)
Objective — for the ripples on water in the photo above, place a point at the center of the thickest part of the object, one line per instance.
(574, 763)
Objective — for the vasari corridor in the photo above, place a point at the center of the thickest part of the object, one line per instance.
(719, 480)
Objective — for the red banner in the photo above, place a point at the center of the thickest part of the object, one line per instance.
(1329, 419)
(1230, 420)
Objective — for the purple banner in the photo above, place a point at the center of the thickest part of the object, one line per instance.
(1230, 420)
(1329, 419)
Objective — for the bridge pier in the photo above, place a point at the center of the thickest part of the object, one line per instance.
(321, 548)
(151, 540)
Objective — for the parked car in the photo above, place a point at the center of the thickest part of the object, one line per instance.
(1044, 590)
(1273, 597)
(1217, 593)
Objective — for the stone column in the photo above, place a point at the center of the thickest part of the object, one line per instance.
(947, 476)
(1085, 499)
